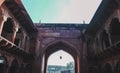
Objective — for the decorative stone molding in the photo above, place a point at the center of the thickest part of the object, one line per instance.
(1, 2)
(2, 19)
(15, 30)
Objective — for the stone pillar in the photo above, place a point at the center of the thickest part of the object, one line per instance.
(109, 37)
(83, 54)
(2, 20)
(15, 29)
(1, 2)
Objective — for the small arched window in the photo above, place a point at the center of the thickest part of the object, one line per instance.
(14, 67)
(108, 68)
(8, 29)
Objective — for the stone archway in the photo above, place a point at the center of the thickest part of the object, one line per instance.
(108, 68)
(115, 30)
(14, 67)
(11, 28)
(3, 64)
(65, 47)
(7, 27)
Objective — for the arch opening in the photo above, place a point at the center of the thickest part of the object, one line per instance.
(7, 28)
(108, 68)
(60, 62)
(3, 64)
(14, 67)
(67, 48)
(115, 30)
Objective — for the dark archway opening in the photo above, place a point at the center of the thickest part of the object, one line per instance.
(14, 67)
(108, 68)
(7, 28)
(115, 30)
(3, 64)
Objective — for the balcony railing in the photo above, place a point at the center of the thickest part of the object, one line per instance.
(9, 47)
(109, 52)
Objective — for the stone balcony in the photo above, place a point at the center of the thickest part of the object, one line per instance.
(109, 52)
(9, 47)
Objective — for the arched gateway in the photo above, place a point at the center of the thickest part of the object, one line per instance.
(65, 47)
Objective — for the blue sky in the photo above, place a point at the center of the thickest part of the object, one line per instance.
(61, 11)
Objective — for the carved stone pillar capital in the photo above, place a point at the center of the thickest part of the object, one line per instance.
(2, 15)
(15, 28)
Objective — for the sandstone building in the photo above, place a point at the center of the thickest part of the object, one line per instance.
(26, 46)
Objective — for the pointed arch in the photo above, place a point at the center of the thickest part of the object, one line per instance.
(60, 61)
(8, 29)
(108, 68)
(14, 67)
(61, 45)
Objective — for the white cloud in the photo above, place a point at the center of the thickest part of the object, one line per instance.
(78, 11)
